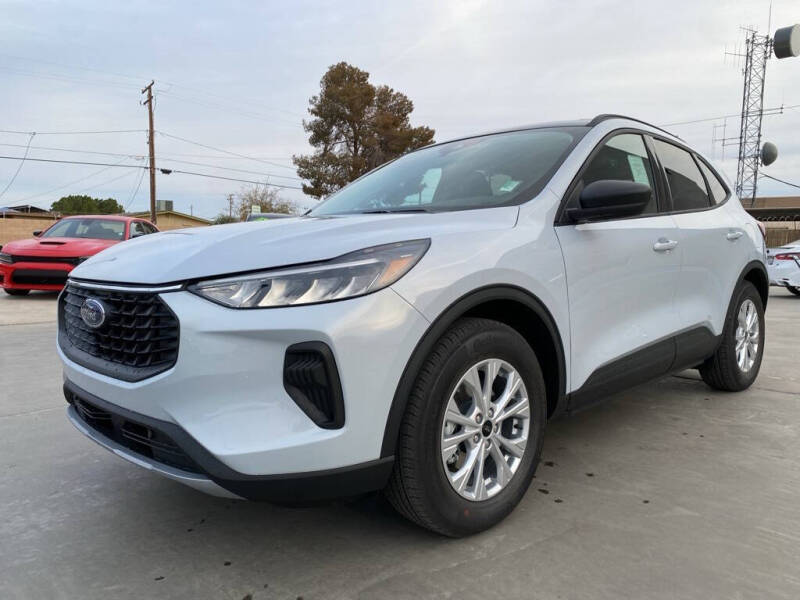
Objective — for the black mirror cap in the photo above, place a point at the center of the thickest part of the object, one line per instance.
(610, 199)
(37, 233)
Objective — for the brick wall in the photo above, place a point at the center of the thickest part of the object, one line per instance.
(21, 227)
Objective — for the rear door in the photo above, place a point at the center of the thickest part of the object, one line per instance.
(714, 245)
(621, 277)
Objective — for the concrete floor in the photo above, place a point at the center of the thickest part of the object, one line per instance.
(671, 491)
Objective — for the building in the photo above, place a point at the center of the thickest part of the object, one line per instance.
(172, 219)
(781, 217)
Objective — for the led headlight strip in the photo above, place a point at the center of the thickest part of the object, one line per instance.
(347, 276)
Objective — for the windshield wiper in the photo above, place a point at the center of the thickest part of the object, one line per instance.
(380, 211)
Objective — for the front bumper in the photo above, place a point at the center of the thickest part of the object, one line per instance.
(206, 473)
(784, 272)
(226, 397)
(34, 276)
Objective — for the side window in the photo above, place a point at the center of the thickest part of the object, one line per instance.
(686, 184)
(718, 191)
(138, 229)
(623, 157)
(149, 228)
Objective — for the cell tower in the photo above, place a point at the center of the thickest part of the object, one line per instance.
(758, 49)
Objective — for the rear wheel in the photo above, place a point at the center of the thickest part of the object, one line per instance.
(472, 433)
(11, 292)
(735, 364)
(795, 290)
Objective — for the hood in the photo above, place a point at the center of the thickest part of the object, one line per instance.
(202, 252)
(57, 246)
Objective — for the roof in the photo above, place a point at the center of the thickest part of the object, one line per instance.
(103, 217)
(777, 202)
(589, 123)
(145, 215)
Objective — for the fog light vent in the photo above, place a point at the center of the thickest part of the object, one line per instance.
(311, 379)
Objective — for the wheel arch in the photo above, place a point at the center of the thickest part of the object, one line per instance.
(756, 273)
(507, 304)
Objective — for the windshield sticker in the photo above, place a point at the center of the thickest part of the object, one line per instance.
(508, 186)
(637, 169)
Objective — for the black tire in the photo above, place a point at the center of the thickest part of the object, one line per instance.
(419, 488)
(793, 289)
(721, 371)
(11, 292)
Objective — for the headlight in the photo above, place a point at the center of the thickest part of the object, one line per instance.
(350, 275)
(5, 258)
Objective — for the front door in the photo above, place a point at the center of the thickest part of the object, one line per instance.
(621, 278)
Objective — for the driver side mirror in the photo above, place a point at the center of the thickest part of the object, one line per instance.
(37, 233)
(610, 199)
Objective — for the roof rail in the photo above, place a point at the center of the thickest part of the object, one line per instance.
(605, 117)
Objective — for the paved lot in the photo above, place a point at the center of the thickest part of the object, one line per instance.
(668, 491)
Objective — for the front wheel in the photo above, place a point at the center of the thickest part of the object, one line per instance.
(472, 434)
(794, 289)
(735, 364)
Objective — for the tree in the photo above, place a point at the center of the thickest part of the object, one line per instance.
(355, 128)
(267, 198)
(86, 205)
(222, 219)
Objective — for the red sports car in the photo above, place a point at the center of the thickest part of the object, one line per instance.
(44, 262)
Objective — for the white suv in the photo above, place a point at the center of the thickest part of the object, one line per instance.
(415, 332)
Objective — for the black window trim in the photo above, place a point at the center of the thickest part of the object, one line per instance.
(662, 198)
(702, 162)
(696, 158)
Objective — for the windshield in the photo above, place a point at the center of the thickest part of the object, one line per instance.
(481, 172)
(99, 229)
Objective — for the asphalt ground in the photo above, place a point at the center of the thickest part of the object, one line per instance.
(670, 490)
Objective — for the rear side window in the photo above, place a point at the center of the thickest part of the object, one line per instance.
(686, 183)
(718, 191)
(623, 157)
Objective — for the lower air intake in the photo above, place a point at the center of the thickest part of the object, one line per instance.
(311, 379)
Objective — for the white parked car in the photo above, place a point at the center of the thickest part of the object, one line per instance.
(415, 332)
(783, 265)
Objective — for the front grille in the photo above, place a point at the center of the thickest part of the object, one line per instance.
(68, 260)
(39, 276)
(138, 339)
(137, 437)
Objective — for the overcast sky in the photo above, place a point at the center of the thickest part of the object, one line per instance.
(238, 75)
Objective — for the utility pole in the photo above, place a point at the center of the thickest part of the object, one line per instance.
(230, 205)
(149, 103)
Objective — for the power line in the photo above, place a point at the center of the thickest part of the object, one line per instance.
(705, 120)
(19, 168)
(789, 183)
(61, 187)
(224, 151)
(102, 183)
(73, 132)
(277, 185)
(159, 157)
(136, 191)
(99, 164)
(229, 109)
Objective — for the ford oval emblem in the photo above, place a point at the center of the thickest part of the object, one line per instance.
(93, 312)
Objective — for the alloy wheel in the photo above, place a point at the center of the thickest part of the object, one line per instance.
(748, 331)
(484, 430)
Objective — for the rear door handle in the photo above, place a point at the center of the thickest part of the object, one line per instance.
(734, 235)
(664, 245)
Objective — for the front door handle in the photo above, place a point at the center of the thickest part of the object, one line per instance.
(664, 245)
(734, 235)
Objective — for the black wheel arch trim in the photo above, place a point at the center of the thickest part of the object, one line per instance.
(755, 265)
(440, 325)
